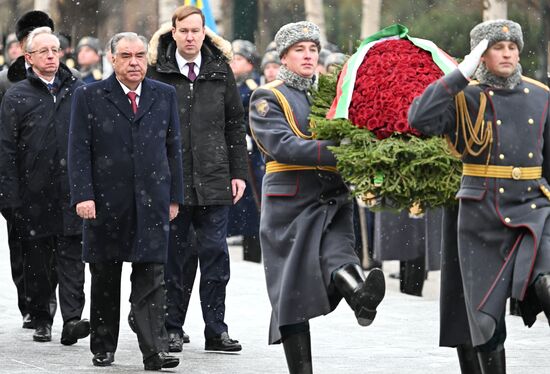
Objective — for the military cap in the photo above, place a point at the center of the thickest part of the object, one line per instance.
(63, 41)
(496, 31)
(91, 42)
(296, 32)
(245, 49)
(335, 58)
(271, 46)
(30, 21)
(270, 57)
(323, 54)
(11, 39)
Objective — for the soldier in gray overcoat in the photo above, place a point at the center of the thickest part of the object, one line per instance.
(504, 198)
(306, 226)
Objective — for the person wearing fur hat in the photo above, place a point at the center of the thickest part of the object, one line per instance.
(306, 225)
(88, 58)
(504, 197)
(195, 61)
(244, 217)
(270, 66)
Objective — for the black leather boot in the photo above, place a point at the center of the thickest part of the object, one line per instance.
(542, 289)
(413, 274)
(298, 353)
(362, 294)
(493, 362)
(467, 357)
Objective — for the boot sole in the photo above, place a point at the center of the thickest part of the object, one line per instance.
(369, 296)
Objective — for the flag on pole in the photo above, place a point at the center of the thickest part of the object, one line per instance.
(206, 10)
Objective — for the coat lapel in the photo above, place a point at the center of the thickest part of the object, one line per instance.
(116, 95)
(146, 99)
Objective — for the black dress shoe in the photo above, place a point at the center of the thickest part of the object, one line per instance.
(222, 343)
(175, 342)
(103, 359)
(161, 360)
(28, 322)
(74, 330)
(43, 333)
(185, 338)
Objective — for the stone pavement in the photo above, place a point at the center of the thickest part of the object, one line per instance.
(402, 340)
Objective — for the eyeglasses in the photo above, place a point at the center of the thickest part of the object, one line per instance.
(45, 51)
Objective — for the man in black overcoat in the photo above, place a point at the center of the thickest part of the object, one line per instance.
(126, 182)
(34, 188)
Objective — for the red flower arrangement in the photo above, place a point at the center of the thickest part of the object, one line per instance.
(392, 74)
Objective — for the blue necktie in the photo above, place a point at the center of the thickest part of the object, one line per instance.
(52, 87)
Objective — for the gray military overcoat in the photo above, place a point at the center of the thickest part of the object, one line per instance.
(306, 225)
(502, 232)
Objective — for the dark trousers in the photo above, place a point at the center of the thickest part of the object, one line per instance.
(16, 262)
(210, 247)
(147, 302)
(50, 261)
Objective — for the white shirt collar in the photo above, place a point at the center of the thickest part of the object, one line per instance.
(182, 63)
(46, 82)
(126, 90)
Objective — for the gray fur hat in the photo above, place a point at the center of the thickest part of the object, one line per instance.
(293, 33)
(270, 57)
(245, 49)
(496, 31)
(89, 41)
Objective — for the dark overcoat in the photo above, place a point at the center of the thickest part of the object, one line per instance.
(502, 222)
(244, 217)
(213, 142)
(34, 133)
(130, 165)
(306, 224)
(401, 236)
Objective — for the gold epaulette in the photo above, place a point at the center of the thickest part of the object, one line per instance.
(535, 82)
(97, 74)
(251, 84)
(272, 84)
(473, 82)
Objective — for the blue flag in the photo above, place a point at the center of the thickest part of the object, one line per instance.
(205, 8)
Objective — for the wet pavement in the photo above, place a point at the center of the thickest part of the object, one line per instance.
(402, 340)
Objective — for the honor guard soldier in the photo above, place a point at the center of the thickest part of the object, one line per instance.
(504, 197)
(244, 217)
(306, 226)
(88, 57)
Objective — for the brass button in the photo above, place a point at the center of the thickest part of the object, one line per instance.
(507, 220)
(533, 206)
(516, 173)
(526, 90)
(529, 189)
(499, 122)
(530, 121)
(491, 93)
(501, 190)
(530, 155)
(501, 156)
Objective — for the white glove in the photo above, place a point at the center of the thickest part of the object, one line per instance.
(249, 143)
(471, 61)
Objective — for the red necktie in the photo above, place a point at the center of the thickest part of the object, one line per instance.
(132, 96)
(191, 75)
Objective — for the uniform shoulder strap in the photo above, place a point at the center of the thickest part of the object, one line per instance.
(289, 114)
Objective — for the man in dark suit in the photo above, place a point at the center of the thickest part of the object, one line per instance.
(194, 60)
(126, 182)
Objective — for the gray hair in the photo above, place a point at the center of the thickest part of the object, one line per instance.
(132, 36)
(38, 31)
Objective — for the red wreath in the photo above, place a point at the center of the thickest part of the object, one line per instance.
(392, 74)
